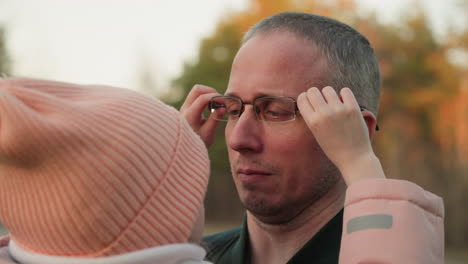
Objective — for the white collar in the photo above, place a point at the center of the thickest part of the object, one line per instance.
(168, 254)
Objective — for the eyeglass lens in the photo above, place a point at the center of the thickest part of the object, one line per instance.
(274, 109)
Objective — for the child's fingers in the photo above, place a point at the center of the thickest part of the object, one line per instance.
(193, 112)
(303, 103)
(196, 92)
(331, 96)
(306, 108)
(348, 98)
(208, 131)
(316, 99)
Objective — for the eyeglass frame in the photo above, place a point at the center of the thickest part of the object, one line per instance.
(242, 106)
(242, 109)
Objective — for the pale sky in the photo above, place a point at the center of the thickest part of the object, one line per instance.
(106, 41)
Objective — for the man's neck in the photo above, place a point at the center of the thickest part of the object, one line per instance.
(278, 243)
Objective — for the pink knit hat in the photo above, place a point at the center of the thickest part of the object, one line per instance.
(91, 171)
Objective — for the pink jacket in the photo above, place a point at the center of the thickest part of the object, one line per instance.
(392, 221)
(385, 221)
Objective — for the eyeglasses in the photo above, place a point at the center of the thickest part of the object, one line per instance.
(266, 108)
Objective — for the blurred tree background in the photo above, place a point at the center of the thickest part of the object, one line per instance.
(423, 113)
(4, 70)
(4, 59)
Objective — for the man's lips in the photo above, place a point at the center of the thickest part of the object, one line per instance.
(252, 171)
(252, 175)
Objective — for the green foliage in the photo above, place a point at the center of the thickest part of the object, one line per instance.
(213, 65)
(4, 60)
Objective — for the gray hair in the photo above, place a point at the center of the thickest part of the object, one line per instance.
(351, 59)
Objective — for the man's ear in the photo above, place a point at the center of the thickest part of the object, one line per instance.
(371, 122)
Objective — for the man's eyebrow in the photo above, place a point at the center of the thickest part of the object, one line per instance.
(257, 95)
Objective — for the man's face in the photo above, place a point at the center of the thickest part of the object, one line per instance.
(278, 168)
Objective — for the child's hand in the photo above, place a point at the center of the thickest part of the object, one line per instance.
(192, 110)
(340, 130)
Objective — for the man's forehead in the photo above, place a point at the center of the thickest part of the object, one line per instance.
(276, 64)
(280, 50)
(259, 93)
(250, 88)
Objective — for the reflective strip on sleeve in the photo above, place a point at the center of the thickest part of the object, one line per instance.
(375, 221)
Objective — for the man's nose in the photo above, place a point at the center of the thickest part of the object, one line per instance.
(244, 134)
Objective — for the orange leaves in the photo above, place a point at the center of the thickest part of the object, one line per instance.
(452, 124)
(260, 9)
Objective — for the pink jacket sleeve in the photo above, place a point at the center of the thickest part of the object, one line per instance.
(392, 221)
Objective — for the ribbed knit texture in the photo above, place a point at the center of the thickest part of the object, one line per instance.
(95, 171)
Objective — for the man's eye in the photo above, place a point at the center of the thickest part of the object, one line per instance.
(234, 112)
(272, 113)
(277, 115)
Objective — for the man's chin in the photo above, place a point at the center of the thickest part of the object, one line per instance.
(273, 219)
(265, 211)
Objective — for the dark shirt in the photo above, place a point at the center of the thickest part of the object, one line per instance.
(232, 246)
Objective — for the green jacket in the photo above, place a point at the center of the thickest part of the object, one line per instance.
(232, 246)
